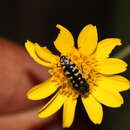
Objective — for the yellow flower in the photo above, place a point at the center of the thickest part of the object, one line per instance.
(85, 71)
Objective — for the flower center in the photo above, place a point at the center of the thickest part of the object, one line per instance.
(75, 74)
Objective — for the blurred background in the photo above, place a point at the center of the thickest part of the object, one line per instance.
(36, 20)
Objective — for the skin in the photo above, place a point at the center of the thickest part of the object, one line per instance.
(18, 74)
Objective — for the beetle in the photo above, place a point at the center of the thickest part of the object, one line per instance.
(72, 72)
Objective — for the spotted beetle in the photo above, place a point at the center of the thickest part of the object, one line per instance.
(74, 75)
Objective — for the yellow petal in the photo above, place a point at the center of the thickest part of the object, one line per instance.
(111, 66)
(117, 83)
(105, 47)
(93, 108)
(53, 106)
(42, 90)
(64, 42)
(30, 47)
(107, 97)
(45, 54)
(69, 112)
(87, 40)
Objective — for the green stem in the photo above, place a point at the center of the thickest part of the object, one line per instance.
(124, 53)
